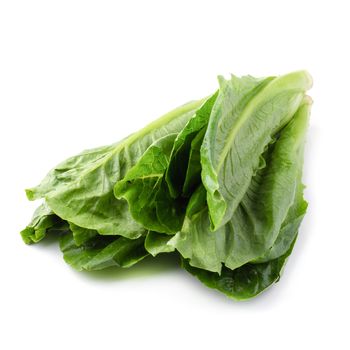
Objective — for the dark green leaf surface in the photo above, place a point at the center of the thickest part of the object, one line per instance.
(81, 235)
(143, 188)
(177, 171)
(245, 282)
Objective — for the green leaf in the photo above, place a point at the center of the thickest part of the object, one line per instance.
(157, 243)
(258, 219)
(143, 188)
(80, 190)
(245, 282)
(194, 167)
(177, 171)
(197, 202)
(43, 220)
(246, 115)
(150, 201)
(102, 252)
(289, 229)
(296, 212)
(81, 235)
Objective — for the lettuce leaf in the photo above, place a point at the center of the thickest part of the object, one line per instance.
(244, 282)
(80, 189)
(43, 222)
(246, 115)
(258, 219)
(102, 252)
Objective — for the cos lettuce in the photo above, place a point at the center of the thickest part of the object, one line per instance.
(217, 181)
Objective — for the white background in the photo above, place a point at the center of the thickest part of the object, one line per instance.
(79, 74)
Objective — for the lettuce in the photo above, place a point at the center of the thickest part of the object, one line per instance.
(217, 181)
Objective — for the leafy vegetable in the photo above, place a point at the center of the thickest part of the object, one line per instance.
(217, 180)
(80, 189)
(256, 222)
